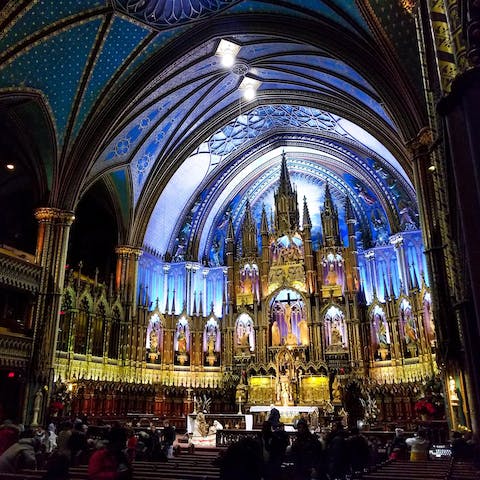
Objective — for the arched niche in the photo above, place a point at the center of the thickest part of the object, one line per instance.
(288, 319)
(244, 335)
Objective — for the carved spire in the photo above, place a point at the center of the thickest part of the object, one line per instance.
(307, 222)
(166, 300)
(287, 215)
(264, 222)
(249, 233)
(385, 288)
(173, 302)
(329, 214)
(200, 305)
(392, 288)
(285, 187)
(230, 230)
(414, 278)
(349, 214)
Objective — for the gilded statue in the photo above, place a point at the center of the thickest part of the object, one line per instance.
(275, 334)
(211, 344)
(303, 329)
(336, 334)
(182, 341)
(153, 341)
(332, 276)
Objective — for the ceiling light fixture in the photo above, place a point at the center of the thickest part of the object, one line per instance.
(249, 87)
(227, 51)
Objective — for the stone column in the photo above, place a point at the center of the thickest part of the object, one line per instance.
(127, 273)
(397, 242)
(372, 270)
(462, 122)
(126, 284)
(51, 254)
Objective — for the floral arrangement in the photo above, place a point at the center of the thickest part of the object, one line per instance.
(424, 407)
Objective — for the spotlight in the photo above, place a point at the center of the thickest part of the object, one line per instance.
(227, 51)
(249, 87)
(10, 166)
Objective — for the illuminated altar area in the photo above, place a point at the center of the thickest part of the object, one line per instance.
(298, 317)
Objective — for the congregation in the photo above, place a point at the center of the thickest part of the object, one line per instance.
(111, 451)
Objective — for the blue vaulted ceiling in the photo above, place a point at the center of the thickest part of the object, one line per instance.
(185, 113)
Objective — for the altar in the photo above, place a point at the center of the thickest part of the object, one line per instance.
(227, 420)
(288, 414)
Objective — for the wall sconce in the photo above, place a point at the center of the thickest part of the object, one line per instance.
(249, 87)
(227, 51)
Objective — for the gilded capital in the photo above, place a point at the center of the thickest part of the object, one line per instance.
(54, 215)
(129, 251)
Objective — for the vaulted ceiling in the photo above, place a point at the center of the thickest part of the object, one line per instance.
(130, 95)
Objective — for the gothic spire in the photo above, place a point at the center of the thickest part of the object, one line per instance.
(287, 216)
(264, 222)
(307, 222)
(329, 214)
(385, 288)
(392, 288)
(230, 230)
(414, 278)
(249, 233)
(349, 215)
(285, 186)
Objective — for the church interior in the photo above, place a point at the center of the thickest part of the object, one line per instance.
(253, 203)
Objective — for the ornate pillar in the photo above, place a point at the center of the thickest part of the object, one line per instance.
(166, 269)
(462, 122)
(51, 254)
(127, 273)
(397, 242)
(371, 269)
(126, 283)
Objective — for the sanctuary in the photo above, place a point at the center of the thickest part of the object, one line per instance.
(298, 314)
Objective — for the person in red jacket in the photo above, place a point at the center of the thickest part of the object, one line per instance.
(111, 462)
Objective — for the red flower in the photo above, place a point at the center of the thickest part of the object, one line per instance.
(57, 405)
(423, 406)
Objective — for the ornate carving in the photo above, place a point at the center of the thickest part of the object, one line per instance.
(51, 215)
(128, 251)
(19, 273)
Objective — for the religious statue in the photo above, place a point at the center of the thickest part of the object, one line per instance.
(201, 427)
(275, 334)
(211, 343)
(336, 334)
(153, 340)
(288, 317)
(291, 337)
(182, 340)
(336, 392)
(382, 331)
(244, 340)
(452, 390)
(37, 405)
(410, 333)
(332, 276)
(303, 329)
(285, 395)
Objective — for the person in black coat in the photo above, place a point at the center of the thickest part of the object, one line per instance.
(305, 452)
(168, 437)
(359, 450)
